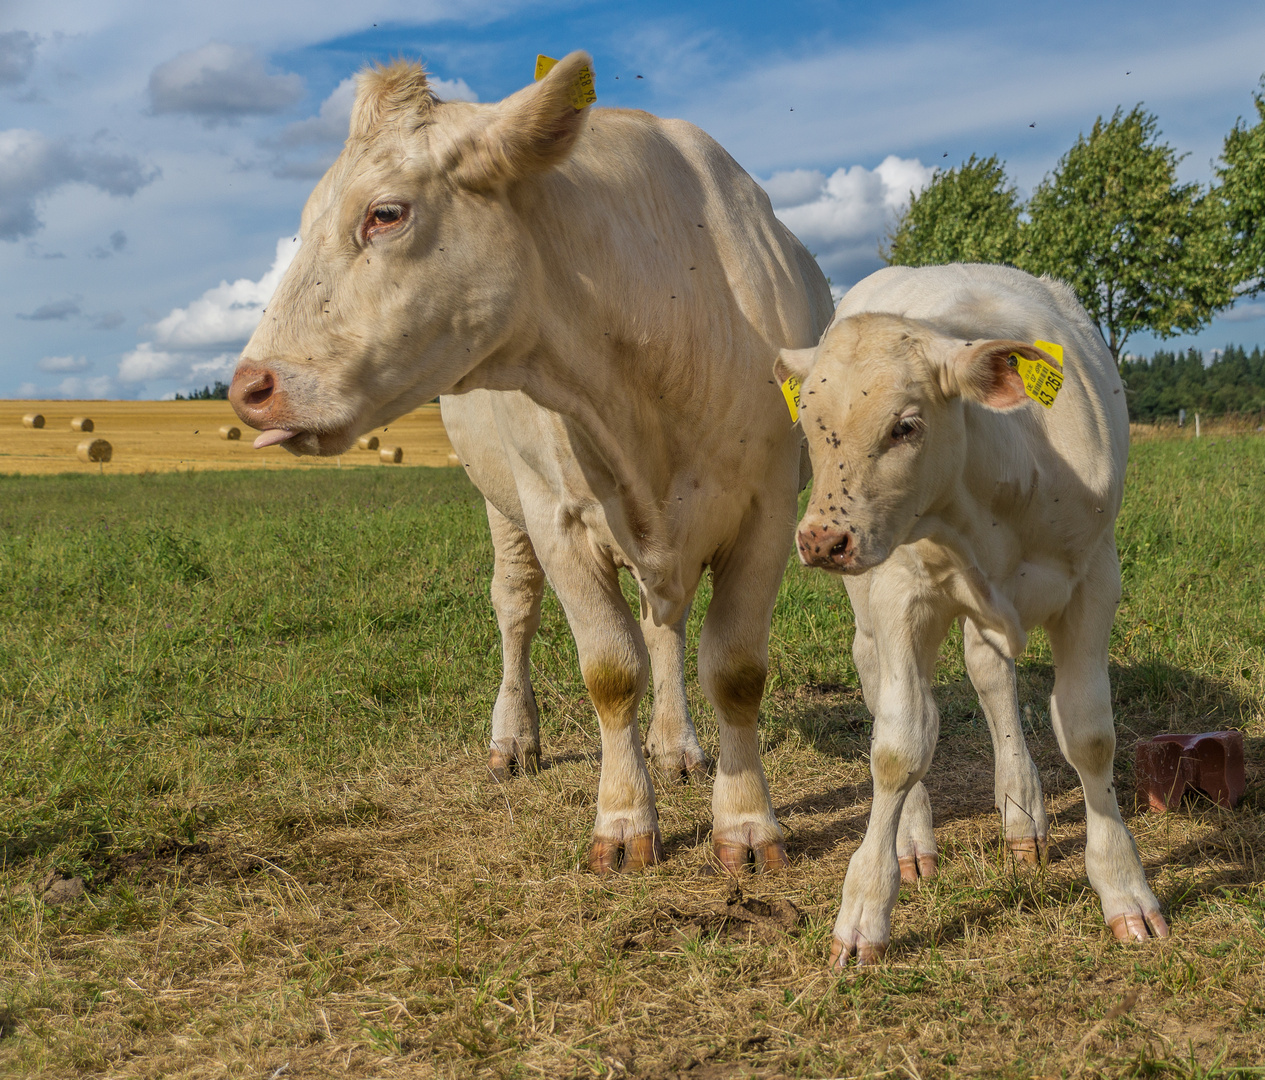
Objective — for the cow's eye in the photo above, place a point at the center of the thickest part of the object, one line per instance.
(905, 427)
(382, 218)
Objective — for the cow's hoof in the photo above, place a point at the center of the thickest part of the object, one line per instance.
(765, 858)
(685, 767)
(624, 856)
(1133, 926)
(1027, 849)
(866, 953)
(517, 761)
(918, 865)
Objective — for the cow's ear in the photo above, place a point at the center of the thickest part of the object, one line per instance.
(529, 131)
(389, 92)
(986, 371)
(793, 362)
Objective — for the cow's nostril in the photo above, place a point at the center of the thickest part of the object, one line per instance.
(842, 551)
(260, 392)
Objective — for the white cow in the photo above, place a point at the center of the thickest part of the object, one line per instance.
(602, 293)
(943, 492)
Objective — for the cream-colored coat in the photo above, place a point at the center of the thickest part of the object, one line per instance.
(599, 296)
(943, 492)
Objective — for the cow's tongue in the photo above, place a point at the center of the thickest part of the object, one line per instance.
(273, 436)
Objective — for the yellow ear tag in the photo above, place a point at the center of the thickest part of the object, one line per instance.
(1041, 382)
(583, 93)
(790, 391)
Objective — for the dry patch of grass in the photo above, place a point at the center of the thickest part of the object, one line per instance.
(183, 436)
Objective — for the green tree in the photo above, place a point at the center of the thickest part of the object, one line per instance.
(968, 214)
(1141, 251)
(1242, 193)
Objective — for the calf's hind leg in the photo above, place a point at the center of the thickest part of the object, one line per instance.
(1016, 785)
(518, 583)
(1081, 711)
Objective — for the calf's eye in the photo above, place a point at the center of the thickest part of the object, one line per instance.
(385, 214)
(380, 219)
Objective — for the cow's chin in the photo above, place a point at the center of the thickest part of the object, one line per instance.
(319, 443)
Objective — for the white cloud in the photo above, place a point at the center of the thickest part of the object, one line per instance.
(228, 313)
(1245, 311)
(841, 218)
(63, 365)
(327, 126)
(221, 82)
(74, 388)
(189, 342)
(33, 165)
(452, 89)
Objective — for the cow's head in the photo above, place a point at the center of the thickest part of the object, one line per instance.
(412, 265)
(881, 403)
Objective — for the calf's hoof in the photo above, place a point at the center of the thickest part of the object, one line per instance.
(1028, 849)
(518, 760)
(866, 952)
(921, 864)
(766, 858)
(624, 856)
(1133, 926)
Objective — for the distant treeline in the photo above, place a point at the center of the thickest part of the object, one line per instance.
(1169, 381)
(218, 392)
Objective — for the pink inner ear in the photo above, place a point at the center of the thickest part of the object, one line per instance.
(1007, 390)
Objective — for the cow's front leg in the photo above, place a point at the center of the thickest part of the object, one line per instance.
(915, 836)
(1017, 785)
(671, 742)
(733, 657)
(518, 582)
(615, 667)
(906, 725)
(1081, 711)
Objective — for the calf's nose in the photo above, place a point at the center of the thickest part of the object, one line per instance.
(826, 545)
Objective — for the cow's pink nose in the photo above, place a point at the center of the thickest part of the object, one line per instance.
(828, 546)
(253, 395)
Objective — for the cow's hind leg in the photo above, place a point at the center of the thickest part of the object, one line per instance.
(733, 657)
(915, 836)
(906, 724)
(1081, 711)
(518, 583)
(671, 742)
(1016, 786)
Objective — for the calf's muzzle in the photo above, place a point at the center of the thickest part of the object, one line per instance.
(826, 546)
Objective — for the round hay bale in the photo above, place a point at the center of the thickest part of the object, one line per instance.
(367, 442)
(453, 459)
(392, 454)
(81, 423)
(33, 420)
(95, 450)
(230, 433)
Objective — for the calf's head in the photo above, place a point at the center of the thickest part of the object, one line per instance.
(882, 404)
(412, 265)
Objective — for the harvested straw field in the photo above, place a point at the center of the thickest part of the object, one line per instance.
(247, 828)
(182, 436)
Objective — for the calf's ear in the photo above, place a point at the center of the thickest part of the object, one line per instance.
(793, 362)
(985, 372)
(530, 131)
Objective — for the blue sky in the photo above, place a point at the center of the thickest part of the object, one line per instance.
(154, 157)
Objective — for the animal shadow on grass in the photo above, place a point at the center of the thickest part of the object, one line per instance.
(1149, 698)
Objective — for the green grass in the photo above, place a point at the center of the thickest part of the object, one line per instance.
(251, 712)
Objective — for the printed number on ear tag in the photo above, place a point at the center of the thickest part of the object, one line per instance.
(583, 92)
(1041, 382)
(790, 391)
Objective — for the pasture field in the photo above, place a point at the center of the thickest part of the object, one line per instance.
(250, 710)
(183, 436)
